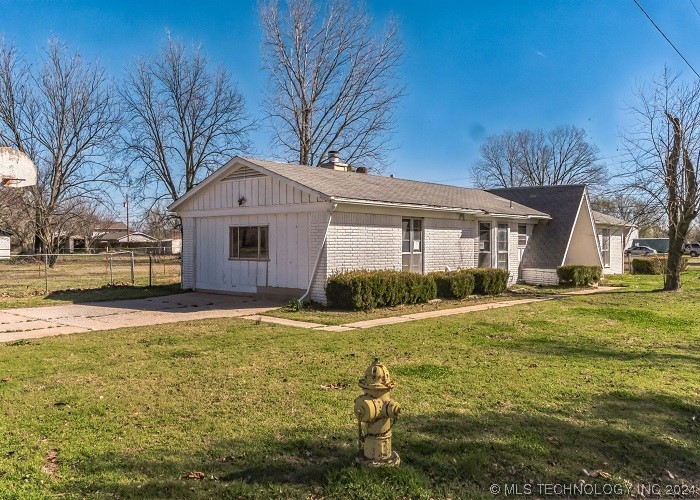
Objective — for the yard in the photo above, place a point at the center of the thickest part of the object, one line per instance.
(85, 277)
(603, 389)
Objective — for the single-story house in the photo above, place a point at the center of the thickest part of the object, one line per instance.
(4, 244)
(257, 226)
(614, 237)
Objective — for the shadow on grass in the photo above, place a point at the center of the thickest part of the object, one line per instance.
(635, 438)
(113, 292)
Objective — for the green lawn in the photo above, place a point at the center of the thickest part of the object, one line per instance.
(528, 394)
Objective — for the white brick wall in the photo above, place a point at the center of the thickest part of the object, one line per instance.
(540, 276)
(449, 243)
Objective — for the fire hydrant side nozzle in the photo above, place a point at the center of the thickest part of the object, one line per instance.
(376, 412)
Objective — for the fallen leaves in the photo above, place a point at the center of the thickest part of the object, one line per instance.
(333, 386)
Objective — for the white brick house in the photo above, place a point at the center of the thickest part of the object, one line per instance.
(264, 227)
(614, 237)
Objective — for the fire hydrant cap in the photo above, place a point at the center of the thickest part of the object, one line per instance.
(377, 377)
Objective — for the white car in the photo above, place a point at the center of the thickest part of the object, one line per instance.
(640, 250)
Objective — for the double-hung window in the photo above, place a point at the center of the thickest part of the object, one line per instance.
(522, 235)
(248, 242)
(502, 250)
(484, 244)
(605, 247)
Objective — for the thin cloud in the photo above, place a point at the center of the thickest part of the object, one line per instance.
(540, 54)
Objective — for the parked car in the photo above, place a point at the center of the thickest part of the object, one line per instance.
(640, 250)
(692, 248)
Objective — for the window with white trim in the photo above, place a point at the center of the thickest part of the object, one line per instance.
(522, 235)
(502, 246)
(248, 242)
(605, 247)
(484, 244)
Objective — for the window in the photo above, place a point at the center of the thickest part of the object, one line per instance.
(484, 244)
(522, 235)
(412, 245)
(605, 247)
(502, 249)
(248, 242)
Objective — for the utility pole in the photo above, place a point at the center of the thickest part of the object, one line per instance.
(126, 205)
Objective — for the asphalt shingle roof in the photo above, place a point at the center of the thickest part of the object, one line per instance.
(546, 248)
(601, 218)
(375, 188)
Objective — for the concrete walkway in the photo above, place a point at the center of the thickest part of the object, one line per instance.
(371, 323)
(38, 322)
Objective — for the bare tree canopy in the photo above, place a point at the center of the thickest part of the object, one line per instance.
(63, 115)
(633, 210)
(534, 158)
(185, 120)
(662, 155)
(332, 82)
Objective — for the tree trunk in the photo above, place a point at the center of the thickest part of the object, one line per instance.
(674, 264)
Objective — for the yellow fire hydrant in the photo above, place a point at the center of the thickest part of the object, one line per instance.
(376, 413)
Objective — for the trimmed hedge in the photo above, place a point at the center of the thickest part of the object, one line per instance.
(654, 265)
(365, 290)
(579, 275)
(454, 284)
(490, 281)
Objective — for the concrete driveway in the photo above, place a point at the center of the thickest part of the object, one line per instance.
(37, 322)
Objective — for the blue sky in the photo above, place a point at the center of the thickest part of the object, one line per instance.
(471, 69)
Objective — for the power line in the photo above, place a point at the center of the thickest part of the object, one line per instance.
(696, 9)
(667, 39)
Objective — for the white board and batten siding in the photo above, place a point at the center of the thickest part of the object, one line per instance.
(296, 228)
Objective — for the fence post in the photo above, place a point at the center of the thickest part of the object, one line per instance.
(132, 268)
(46, 273)
(150, 270)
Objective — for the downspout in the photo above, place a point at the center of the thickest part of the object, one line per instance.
(318, 257)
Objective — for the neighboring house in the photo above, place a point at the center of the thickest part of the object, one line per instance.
(4, 244)
(171, 246)
(568, 238)
(118, 240)
(614, 237)
(263, 227)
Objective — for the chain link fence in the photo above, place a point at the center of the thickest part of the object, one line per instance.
(22, 275)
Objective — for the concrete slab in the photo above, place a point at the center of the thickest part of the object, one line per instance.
(37, 322)
(283, 321)
(378, 322)
(335, 328)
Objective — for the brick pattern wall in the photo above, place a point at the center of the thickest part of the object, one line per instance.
(449, 243)
(319, 223)
(187, 257)
(540, 276)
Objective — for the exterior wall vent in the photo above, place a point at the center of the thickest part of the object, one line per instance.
(242, 173)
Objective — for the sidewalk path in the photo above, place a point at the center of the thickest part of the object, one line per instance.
(371, 323)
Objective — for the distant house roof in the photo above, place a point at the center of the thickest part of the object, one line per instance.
(609, 220)
(121, 237)
(110, 226)
(353, 187)
(547, 247)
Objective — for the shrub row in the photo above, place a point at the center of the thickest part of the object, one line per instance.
(366, 290)
(490, 281)
(454, 284)
(579, 275)
(654, 265)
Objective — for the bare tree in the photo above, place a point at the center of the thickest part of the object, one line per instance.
(631, 209)
(533, 158)
(63, 115)
(185, 120)
(332, 82)
(663, 153)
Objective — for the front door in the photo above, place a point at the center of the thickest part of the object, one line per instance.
(412, 245)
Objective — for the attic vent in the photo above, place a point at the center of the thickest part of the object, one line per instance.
(242, 173)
